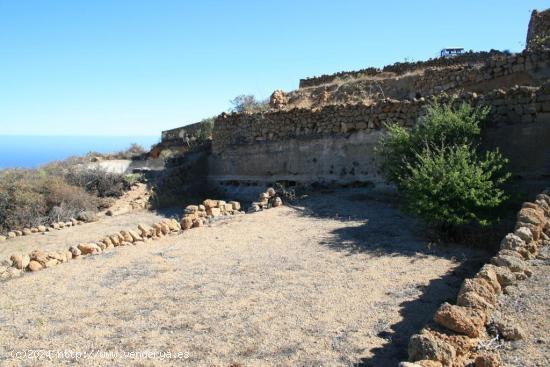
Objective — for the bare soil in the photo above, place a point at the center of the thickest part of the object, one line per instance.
(340, 280)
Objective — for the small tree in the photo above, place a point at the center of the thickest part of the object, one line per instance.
(248, 103)
(437, 167)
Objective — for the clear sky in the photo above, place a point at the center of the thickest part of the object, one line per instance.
(116, 67)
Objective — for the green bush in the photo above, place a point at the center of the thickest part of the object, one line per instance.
(454, 186)
(440, 173)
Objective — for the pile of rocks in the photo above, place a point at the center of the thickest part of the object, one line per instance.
(42, 229)
(194, 216)
(455, 340)
(268, 199)
(197, 215)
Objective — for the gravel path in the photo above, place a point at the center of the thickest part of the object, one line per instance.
(340, 280)
(88, 232)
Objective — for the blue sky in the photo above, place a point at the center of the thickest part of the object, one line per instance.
(135, 67)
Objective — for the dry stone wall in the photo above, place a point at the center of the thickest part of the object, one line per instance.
(457, 337)
(538, 33)
(178, 134)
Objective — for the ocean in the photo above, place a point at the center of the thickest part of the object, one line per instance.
(23, 151)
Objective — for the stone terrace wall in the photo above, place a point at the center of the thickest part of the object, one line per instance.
(180, 132)
(336, 144)
(399, 68)
(516, 105)
(526, 68)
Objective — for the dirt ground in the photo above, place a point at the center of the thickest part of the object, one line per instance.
(343, 279)
(529, 307)
(88, 232)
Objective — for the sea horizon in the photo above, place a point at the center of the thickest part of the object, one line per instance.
(32, 151)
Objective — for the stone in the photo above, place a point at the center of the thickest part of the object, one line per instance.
(164, 228)
(473, 300)
(513, 263)
(512, 242)
(10, 273)
(61, 224)
(108, 242)
(509, 330)
(479, 286)
(126, 236)
(35, 266)
(236, 205)
(41, 229)
(255, 207)
(191, 209)
(68, 224)
(11, 234)
(101, 245)
(264, 196)
(54, 225)
(277, 202)
(68, 255)
(115, 239)
(278, 99)
(209, 203)
(59, 256)
(26, 231)
(75, 251)
(198, 223)
(51, 262)
(186, 223)
(488, 273)
(74, 221)
(459, 319)
(426, 346)
(135, 236)
(20, 261)
(38, 256)
(524, 234)
(227, 207)
(531, 215)
(89, 248)
(504, 276)
(487, 360)
(2, 238)
(34, 230)
(271, 192)
(145, 231)
(18, 233)
(215, 212)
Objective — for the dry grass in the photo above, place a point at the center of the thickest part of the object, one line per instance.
(313, 285)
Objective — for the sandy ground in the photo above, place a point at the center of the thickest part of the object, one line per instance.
(89, 232)
(530, 309)
(341, 280)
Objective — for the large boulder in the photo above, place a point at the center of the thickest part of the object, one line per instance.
(278, 99)
(35, 266)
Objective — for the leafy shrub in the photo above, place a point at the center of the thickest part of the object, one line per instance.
(205, 129)
(454, 186)
(248, 103)
(438, 169)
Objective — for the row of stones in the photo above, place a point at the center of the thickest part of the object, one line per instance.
(515, 105)
(461, 327)
(40, 229)
(266, 200)
(194, 216)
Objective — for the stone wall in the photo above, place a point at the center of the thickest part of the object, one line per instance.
(178, 134)
(538, 33)
(336, 144)
(526, 68)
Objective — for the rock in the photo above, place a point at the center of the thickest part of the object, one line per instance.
(277, 202)
(35, 266)
(75, 251)
(511, 253)
(2, 238)
(18, 233)
(509, 329)
(473, 300)
(89, 248)
(209, 203)
(479, 286)
(41, 229)
(125, 243)
(504, 276)
(264, 196)
(533, 215)
(186, 223)
(215, 212)
(68, 224)
(87, 216)
(174, 225)
(145, 230)
(34, 230)
(74, 221)
(11, 234)
(202, 208)
(191, 209)
(108, 242)
(198, 223)
(101, 245)
(135, 236)
(488, 273)
(50, 263)
(126, 236)
(26, 231)
(524, 234)
(488, 360)
(271, 192)
(164, 228)
(61, 224)
(513, 242)
(535, 229)
(68, 255)
(426, 346)
(510, 262)
(38, 256)
(115, 239)
(236, 205)
(255, 207)
(54, 225)
(278, 99)
(20, 261)
(459, 319)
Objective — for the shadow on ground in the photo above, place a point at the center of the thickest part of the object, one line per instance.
(383, 230)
